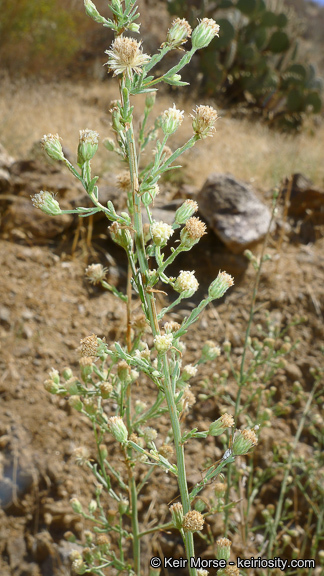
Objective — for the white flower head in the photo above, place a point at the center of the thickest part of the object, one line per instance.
(161, 232)
(126, 56)
(186, 282)
(163, 342)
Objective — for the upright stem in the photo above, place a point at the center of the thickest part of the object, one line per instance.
(150, 305)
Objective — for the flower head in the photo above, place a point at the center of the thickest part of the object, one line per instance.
(178, 33)
(118, 429)
(51, 143)
(126, 56)
(124, 181)
(163, 342)
(185, 211)
(88, 145)
(171, 119)
(210, 351)
(96, 273)
(203, 122)
(177, 515)
(223, 548)
(193, 521)
(89, 346)
(46, 202)
(222, 283)
(186, 283)
(220, 425)
(161, 232)
(192, 232)
(204, 33)
(243, 442)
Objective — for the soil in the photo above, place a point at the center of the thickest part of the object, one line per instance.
(47, 306)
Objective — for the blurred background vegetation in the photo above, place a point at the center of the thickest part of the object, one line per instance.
(268, 60)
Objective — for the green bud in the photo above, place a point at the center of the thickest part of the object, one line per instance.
(52, 145)
(88, 145)
(51, 387)
(71, 386)
(223, 549)
(204, 33)
(76, 505)
(123, 507)
(121, 236)
(178, 33)
(46, 202)
(75, 402)
(218, 288)
(67, 373)
(92, 11)
(118, 429)
(170, 120)
(186, 210)
(243, 442)
(177, 515)
(92, 506)
(133, 27)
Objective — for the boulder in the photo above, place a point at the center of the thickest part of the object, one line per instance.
(304, 198)
(233, 211)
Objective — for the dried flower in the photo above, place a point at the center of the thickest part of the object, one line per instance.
(188, 208)
(204, 120)
(166, 451)
(192, 232)
(89, 346)
(163, 342)
(188, 397)
(193, 521)
(204, 33)
(123, 371)
(105, 389)
(186, 283)
(81, 455)
(244, 440)
(124, 181)
(126, 56)
(88, 145)
(177, 515)
(51, 143)
(161, 232)
(96, 273)
(219, 286)
(178, 33)
(46, 202)
(171, 326)
(171, 119)
(220, 489)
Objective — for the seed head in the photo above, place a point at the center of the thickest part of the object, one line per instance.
(231, 571)
(204, 33)
(220, 489)
(96, 273)
(126, 56)
(163, 342)
(178, 33)
(189, 371)
(170, 120)
(89, 346)
(81, 455)
(204, 120)
(192, 232)
(193, 521)
(186, 283)
(161, 232)
(46, 202)
(188, 397)
(150, 434)
(166, 451)
(105, 389)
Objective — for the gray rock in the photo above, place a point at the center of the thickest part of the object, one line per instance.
(233, 211)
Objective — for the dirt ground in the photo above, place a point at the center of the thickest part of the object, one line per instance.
(47, 306)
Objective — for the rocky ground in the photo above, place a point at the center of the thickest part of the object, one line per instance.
(47, 306)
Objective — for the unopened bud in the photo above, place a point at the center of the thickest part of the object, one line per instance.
(204, 33)
(222, 283)
(88, 145)
(118, 429)
(52, 145)
(46, 202)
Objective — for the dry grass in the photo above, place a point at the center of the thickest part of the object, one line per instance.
(248, 150)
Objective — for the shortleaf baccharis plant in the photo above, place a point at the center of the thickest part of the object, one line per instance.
(108, 373)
